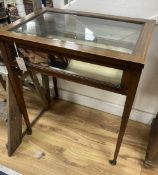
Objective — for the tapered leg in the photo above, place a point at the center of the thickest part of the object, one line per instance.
(40, 90)
(2, 82)
(132, 86)
(45, 83)
(55, 87)
(14, 120)
(15, 83)
(151, 159)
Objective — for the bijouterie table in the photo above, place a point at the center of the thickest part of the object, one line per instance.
(102, 51)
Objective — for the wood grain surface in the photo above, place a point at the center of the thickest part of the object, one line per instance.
(76, 140)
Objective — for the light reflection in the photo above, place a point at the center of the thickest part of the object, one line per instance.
(89, 35)
(71, 42)
(55, 39)
(30, 24)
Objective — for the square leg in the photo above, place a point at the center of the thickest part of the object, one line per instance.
(14, 120)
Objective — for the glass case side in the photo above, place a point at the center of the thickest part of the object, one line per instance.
(73, 67)
(94, 32)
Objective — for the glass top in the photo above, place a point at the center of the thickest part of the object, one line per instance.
(95, 32)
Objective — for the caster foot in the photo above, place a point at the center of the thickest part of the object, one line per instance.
(29, 131)
(113, 162)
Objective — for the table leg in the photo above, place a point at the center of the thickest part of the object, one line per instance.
(14, 120)
(2, 82)
(151, 159)
(40, 90)
(55, 87)
(133, 79)
(15, 83)
(45, 83)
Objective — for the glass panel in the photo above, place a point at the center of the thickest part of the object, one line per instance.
(96, 72)
(95, 32)
(64, 64)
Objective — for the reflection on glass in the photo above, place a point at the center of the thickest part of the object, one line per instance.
(89, 35)
(94, 71)
(67, 1)
(62, 63)
(95, 32)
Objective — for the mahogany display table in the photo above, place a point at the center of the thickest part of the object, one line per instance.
(102, 51)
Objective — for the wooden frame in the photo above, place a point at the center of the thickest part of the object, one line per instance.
(131, 64)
